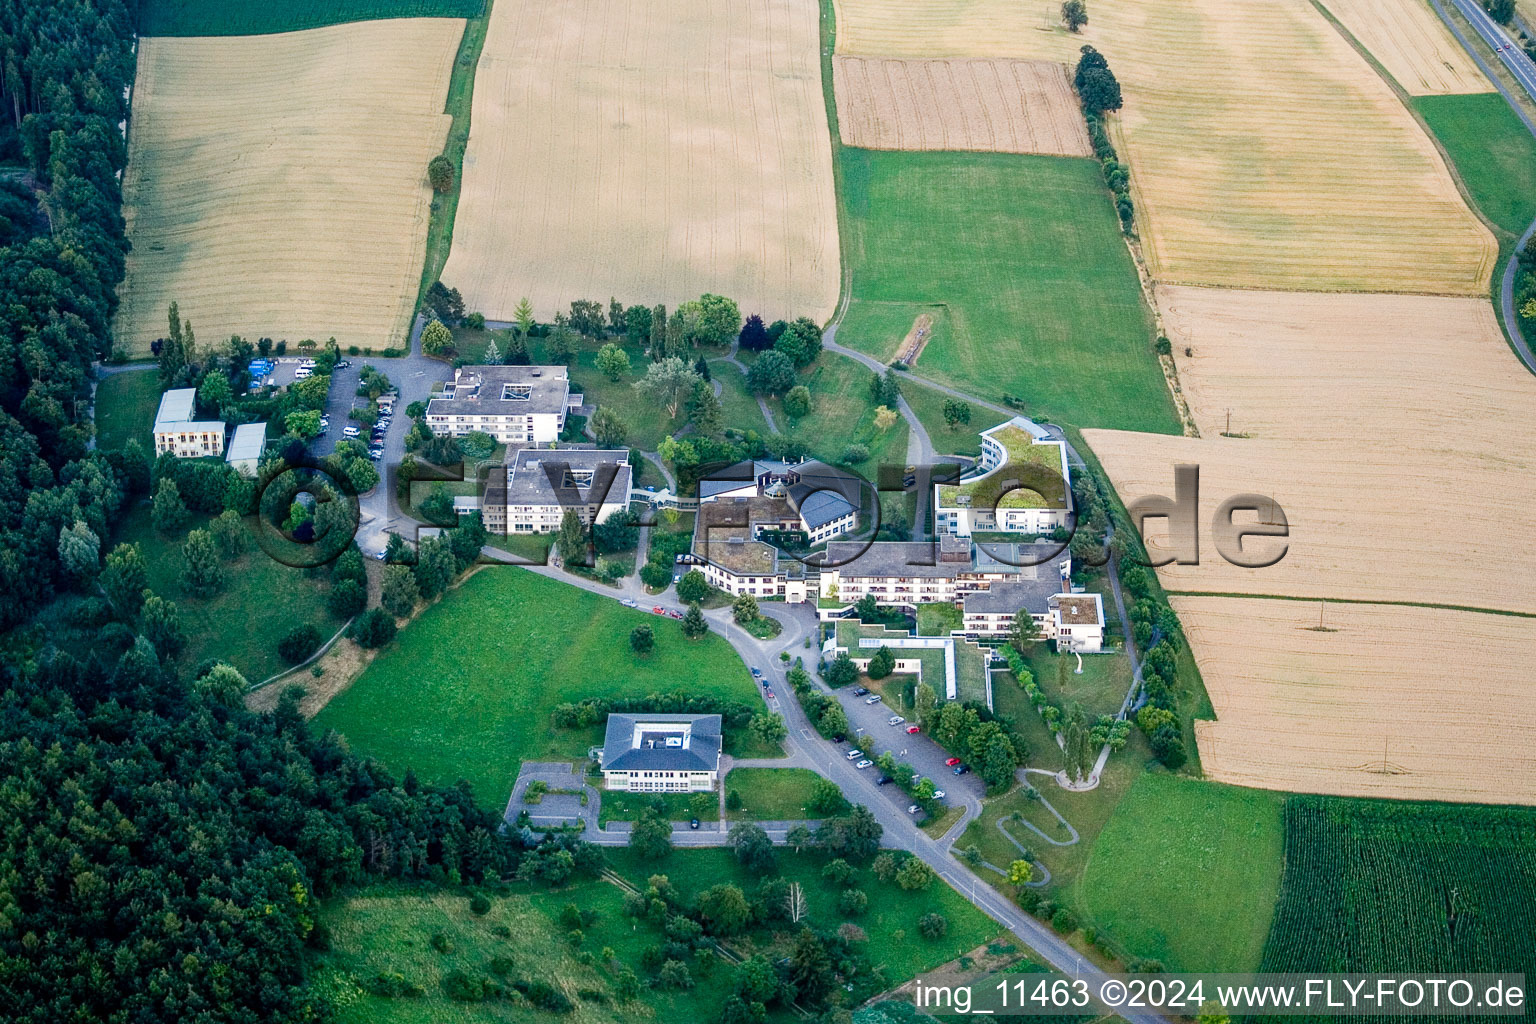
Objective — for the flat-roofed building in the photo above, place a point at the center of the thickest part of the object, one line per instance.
(1076, 622)
(1022, 484)
(905, 574)
(179, 434)
(517, 405)
(246, 446)
(531, 493)
(653, 753)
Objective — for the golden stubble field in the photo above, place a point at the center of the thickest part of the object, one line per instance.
(649, 152)
(1265, 152)
(1412, 43)
(276, 185)
(1405, 703)
(1399, 436)
(997, 106)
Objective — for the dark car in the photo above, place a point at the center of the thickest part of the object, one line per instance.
(694, 823)
(859, 691)
(838, 738)
(882, 780)
(962, 769)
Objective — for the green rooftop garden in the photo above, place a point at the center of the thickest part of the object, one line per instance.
(988, 491)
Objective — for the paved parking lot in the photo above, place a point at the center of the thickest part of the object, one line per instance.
(924, 755)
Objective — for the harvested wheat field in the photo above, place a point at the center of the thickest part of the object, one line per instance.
(958, 28)
(1418, 519)
(276, 185)
(1265, 152)
(648, 152)
(1406, 703)
(1380, 367)
(1412, 43)
(994, 106)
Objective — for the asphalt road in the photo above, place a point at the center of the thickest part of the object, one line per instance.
(1514, 58)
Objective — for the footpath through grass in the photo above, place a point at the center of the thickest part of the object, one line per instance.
(1026, 256)
(467, 689)
(1186, 872)
(246, 18)
(126, 404)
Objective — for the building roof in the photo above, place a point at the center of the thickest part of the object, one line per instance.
(821, 494)
(247, 443)
(1007, 597)
(175, 413)
(723, 534)
(534, 477)
(1079, 609)
(675, 743)
(1000, 488)
(503, 391)
(924, 559)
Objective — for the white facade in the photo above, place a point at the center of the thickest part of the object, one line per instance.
(179, 434)
(968, 507)
(1076, 623)
(524, 501)
(517, 405)
(660, 781)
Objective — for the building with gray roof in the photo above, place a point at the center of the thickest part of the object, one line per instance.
(517, 405)
(657, 753)
(532, 492)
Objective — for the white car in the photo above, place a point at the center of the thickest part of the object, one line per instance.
(324, 423)
(894, 720)
(873, 698)
(630, 602)
(865, 763)
(854, 755)
(913, 809)
(350, 431)
(938, 794)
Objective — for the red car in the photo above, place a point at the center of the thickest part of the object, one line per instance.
(675, 615)
(952, 762)
(658, 610)
(913, 730)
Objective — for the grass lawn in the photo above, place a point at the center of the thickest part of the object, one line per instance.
(467, 689)
(461, 92)
(390, 928)
(738, 408)
(243, 18)
(261, 600)
(938, 619)
(772, 794)
(1187, 872)
(1100, 689)
(125, 408)
(1491, 150)
(841, 414)
(963, 440)
(1026, 254)
(619, 806)
(896, 947)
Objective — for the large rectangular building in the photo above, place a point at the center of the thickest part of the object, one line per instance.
(179, 434)
(517, 405)
(531, 493)
(652, 753)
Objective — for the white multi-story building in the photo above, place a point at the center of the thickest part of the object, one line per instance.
(517, 405)
(532, 492)
(1021, 485)
(178, 433)
(646, 753)
(905, 574)
(246, 446)
(1076, 622)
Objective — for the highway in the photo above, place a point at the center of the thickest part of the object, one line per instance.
(1514, 58)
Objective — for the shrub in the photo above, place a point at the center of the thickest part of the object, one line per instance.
(298, 643)
(480, 905)
(733, 800)
(932, 926)
(852, 902)
(1064, 921)
(373, 628)
(440, 174)
(856, 453)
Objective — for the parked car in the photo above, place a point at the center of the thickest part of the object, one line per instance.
(350, 431)
(658, 610)
(913, 809)
(342, 364)
(952, 761)
(938, 794)
(865, 763)
(839, 738)
(694, 823)
(325, 421)
(629, 602)
(381, 554)
(895, 720)
(854, 754)
(882, 780)
(757, 672)
(913, 730)
(675, 615)
(859, 691)
(961, 769)
(770, 695)
(873, 698)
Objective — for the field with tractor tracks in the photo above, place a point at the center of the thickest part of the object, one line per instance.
(648, 153)
(1412, 43)
(277, 184)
